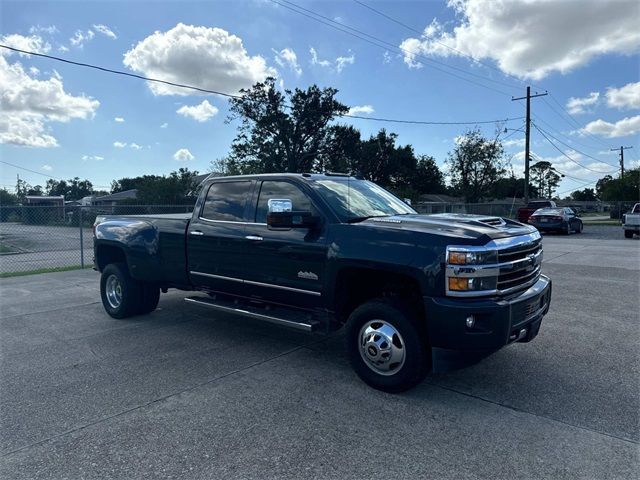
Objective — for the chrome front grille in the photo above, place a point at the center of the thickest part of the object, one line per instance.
(501, 267)
(519, 265)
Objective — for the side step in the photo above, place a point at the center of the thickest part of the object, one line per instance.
(278, 315)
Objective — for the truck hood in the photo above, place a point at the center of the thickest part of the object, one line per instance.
(472, 227)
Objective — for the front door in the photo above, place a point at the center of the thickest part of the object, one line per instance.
(286, 266)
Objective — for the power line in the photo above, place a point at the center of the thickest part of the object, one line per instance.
(118, 72)
(575, 121)
(420, 122)
(558, 132)
(415, 30)
(28, 170)
(386, 45)
(567, 156)
(573, 148)
(191, 87)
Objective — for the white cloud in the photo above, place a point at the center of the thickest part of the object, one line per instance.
(532, 38)
(104, 30)
(200, 113)
(80, 38)
(47, 168)
(164, 125)
(27, 105)
(342, 62)
(624, 98)
(119, 144)
(339, 63)
(519, 142)
(97, 158)
(63, 49)
(288, 58)
(135, 146)
(119, 120)
(316, 61)
(577, 105)
(361, 109)
(32, 43)
(183, 155)
(386, 57)
(209, 58)
(49, 30)
(622, 128)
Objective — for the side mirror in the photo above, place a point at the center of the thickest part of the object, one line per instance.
(281, 217)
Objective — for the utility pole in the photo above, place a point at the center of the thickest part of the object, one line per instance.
(527, 135)
(622, 149)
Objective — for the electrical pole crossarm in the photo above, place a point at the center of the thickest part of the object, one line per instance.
(622, 149)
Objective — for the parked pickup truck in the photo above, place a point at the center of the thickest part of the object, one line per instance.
(631, 222)
(525, 212)
(325, 251)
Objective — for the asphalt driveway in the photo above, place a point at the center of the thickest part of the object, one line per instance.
(182, 393)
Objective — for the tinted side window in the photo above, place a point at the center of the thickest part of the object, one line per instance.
(226, 201)
(273, 189)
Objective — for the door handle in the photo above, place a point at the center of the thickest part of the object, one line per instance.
(254, 237)
(196, 232)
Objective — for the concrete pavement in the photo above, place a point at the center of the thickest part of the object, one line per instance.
(182, 393)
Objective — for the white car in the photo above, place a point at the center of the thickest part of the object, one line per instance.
(631, 222)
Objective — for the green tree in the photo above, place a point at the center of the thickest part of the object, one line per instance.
(586, 195)
(621, 189)
(72, 189)
(545, 177)
(342, 150)
(177, 188)
(7, 198)
(427, 177)
(475, 164)
(510, 187)
(281, 132)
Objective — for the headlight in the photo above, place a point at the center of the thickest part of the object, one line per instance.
(464, 257)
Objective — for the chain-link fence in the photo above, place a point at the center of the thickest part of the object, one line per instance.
(34, 238)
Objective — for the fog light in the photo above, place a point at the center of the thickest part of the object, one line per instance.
(471, 321)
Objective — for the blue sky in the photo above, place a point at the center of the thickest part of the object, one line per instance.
(63, 121)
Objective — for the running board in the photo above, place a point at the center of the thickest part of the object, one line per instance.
(278, 315)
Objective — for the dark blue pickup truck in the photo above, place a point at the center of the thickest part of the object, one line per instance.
(318, 252)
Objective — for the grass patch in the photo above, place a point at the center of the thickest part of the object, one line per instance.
(7, 248)
(43, 270)
(603, 222)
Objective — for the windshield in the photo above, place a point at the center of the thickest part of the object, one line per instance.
(351, 198)
(548, 211)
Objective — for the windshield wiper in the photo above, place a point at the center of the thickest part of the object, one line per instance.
(362, 219)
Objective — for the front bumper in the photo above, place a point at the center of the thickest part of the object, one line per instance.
(498, 321)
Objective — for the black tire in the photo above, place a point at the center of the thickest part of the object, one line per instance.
(382, 313)
(628, 234)
(567, 231)
(579, 227)
(149, 298)
(122, 298)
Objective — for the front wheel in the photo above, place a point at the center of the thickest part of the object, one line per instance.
(628, 234)
(579, 228)
(386, 347)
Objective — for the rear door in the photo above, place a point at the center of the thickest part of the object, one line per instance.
(216, 240)
(286, 266)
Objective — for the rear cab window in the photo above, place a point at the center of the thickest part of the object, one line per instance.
(226, 201)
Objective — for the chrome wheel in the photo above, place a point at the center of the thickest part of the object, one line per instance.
(381, 347)
(113, 290)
